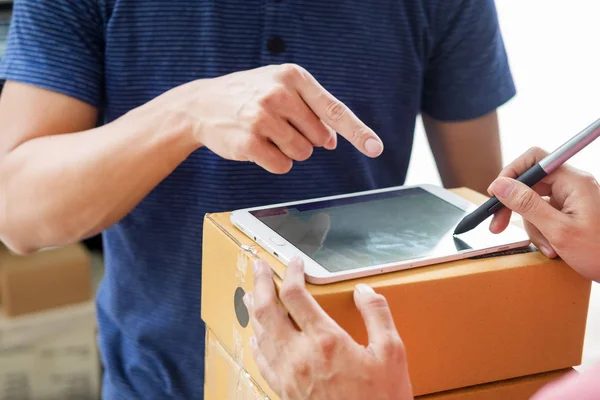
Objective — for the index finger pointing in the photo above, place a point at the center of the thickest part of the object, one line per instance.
(337, 115)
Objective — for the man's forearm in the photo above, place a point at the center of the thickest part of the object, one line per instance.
(62, 188)
(476, 170)
(467, 154)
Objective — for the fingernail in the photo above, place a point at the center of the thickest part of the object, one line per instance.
(253, 344)
(546, 251)
(502, 187)
(362, 288)
(247, 299)
(296, 259)
(373, 147)
(330, 145)
(334, 141)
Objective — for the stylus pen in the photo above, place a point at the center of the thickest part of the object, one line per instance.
(533, 175)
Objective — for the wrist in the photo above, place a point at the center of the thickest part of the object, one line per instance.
(164, 118)
(180, 127)
(182, 108)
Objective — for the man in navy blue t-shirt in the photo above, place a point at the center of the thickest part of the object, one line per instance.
(217, 105)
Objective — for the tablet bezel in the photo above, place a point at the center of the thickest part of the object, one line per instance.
(285, 251)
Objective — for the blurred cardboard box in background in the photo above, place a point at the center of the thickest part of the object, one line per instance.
(43, 280)
(50, 355)
(48, 330)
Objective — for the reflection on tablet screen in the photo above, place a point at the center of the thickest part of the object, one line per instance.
(350, 233)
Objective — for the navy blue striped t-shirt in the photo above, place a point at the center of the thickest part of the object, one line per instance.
(388, 60)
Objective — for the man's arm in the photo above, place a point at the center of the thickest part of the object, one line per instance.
(62, 180)
(467, 79)
(467, 153)
(60, 183)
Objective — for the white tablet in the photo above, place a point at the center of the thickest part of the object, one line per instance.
(367, 233)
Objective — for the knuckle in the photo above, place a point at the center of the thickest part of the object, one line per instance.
(277, 96)
(302, 151)
(359, 132)
(261, 340)
(305, 153)
(254, 132)
(327, 343)
(291, 291)
(564, 233)
(509, 171)
(250, 144)
(261, 311)
(291, 71)
(265, 346)
(526, 201)
(588, 180)
(533, 155)
(538, 151)
(523, 162)
(324, 135)
(283, 167)
(393, 346)
(288, 389)
(258, 120)
(336, 110)
(377, 301)
(321, 141)
(301, 368)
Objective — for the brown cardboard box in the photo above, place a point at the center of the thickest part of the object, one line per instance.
(224, 378)
(464, 323)
(45, 279)
(50, 354)
(511, 389)
(227, 380)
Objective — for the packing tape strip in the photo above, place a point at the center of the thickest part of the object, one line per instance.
(210, 367)
(241, 386)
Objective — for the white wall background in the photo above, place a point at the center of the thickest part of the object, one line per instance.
(554, 51)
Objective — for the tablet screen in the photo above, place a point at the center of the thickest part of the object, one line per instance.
(356, 232)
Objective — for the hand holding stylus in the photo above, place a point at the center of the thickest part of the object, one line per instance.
(566, 224)
(535, 173)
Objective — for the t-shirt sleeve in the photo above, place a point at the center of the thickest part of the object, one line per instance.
(57, 45)
(467, 73)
